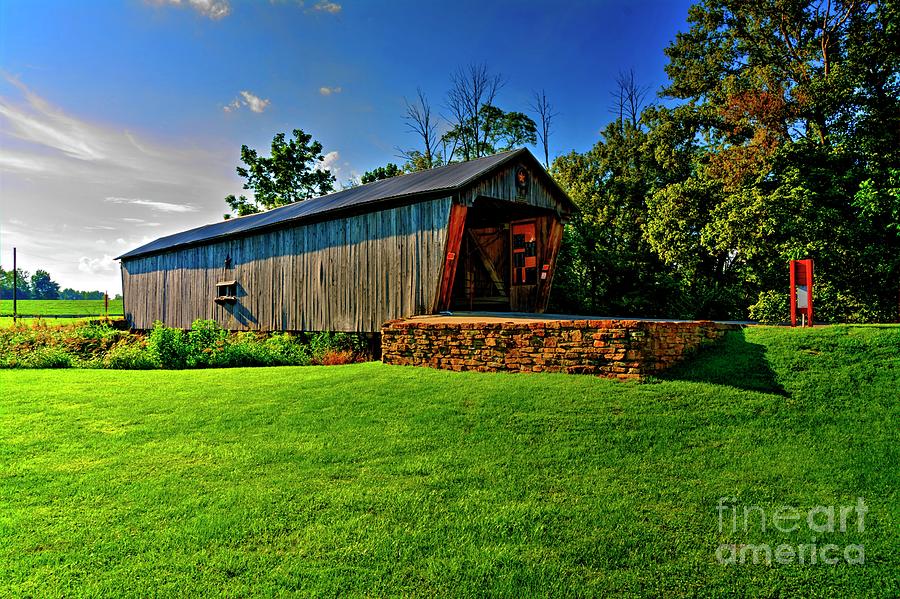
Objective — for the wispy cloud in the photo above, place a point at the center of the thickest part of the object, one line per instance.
(327, 91)
(93, 266)
(326, 6)
(40, 123)
(158, 206)
(139, 222)
(57, 169)
(248, 99)
(49, 140)
(213, 9)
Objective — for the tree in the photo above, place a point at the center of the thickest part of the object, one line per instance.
(6, 284)
(798, 107)
(420, 121)
(628, 98)
(471, 89)
(43, 287)
(608, 265)
(541, 106)
(292, 173)
(500, 131)
(382, 172)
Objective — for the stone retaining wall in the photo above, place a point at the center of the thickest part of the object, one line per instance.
(612, 348)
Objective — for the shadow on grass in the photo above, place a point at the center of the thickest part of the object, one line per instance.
(734, 362)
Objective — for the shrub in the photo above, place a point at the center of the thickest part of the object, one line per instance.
(830, 305)
(129, 356)
(168, 346)
(88, 341)
(773, 307)
(337, 358)
(286, 349)
(245, 349)
(207, 343)
(47, 357)
(321, 344)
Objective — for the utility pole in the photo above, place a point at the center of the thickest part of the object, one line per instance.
(15, 287)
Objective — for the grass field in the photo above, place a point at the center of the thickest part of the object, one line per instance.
(378, 480)
(7, 321)
(61, 307)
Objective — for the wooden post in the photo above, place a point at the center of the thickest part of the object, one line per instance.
(15, 288)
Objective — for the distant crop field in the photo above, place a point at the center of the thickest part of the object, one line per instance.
(61, 307)
(7, 321)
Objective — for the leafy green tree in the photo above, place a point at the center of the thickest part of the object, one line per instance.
(605, 249)
(291, 173)
(473, 88)
(497, 131)
(785, 144)
(6, 284)
(418, 161)
(381, 172)
(43, 287)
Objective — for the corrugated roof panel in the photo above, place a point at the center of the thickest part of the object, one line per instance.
(445, 178)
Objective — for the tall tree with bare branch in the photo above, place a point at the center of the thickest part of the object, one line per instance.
(540, 105)
(421, 121)
(472, 88)
(628, 98)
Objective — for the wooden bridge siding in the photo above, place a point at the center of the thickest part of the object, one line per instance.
(350, 274)
(502, 185)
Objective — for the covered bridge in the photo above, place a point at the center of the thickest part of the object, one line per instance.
(479, 235)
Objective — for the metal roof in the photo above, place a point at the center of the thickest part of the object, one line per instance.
(447, 178)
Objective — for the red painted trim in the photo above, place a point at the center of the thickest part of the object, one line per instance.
(793, 269)
(455, 229)
(550, 254)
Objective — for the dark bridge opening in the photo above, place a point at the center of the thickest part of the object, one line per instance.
(505, 258)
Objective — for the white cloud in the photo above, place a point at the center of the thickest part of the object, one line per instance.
(326, 6)
(329, 161)
(158, 206)
(255, 103)
(93, 266)
(139, 222)
(248, 99)
(327, 91)
(213, 9)
(21, 163)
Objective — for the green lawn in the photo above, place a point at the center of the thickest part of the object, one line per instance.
(61, 307)
(377, 480)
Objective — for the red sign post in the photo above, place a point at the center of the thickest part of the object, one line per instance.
(802, 292)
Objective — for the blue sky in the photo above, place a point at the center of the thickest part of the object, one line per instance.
(122, 122)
